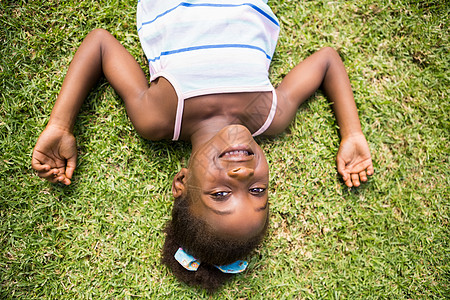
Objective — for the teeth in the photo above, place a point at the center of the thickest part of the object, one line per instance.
(237, 152)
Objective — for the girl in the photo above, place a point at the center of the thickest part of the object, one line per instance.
(209, 85)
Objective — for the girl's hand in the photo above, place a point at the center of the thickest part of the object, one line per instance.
(354, 162)
(55, 155)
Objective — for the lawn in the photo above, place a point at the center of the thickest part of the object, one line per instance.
(100, 238)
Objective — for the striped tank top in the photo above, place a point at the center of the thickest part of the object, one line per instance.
(207, 47)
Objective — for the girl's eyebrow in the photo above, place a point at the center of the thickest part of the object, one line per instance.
(219, 212)
(222, 212)
(264, 207)
(229, 212)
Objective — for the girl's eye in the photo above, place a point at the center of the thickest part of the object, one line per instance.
(257, 191)
(220, 195)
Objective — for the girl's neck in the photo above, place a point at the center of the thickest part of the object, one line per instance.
(204, 116)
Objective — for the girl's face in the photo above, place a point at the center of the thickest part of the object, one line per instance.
(228, 179)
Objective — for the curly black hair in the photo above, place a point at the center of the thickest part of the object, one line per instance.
(197, 238)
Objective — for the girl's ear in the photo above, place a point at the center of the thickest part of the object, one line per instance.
(179, 183)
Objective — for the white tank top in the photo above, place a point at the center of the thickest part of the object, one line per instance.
(209, 47)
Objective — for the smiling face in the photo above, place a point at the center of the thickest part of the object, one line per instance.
(228, 180)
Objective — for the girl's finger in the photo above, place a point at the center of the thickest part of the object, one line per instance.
(363, 176)
(348, 182)
(370, 170)
(38, 166)
(355, 179)
(47, 174)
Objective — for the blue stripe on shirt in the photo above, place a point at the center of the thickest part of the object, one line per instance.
(188, 49)
(185, 4)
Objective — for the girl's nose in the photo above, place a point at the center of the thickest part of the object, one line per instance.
(241, 172)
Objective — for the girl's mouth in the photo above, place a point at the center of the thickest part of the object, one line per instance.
(237, 153)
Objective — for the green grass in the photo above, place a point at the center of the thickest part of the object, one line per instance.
(101, 237)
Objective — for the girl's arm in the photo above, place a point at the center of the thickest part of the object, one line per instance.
(54, 156)
(324, 69)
